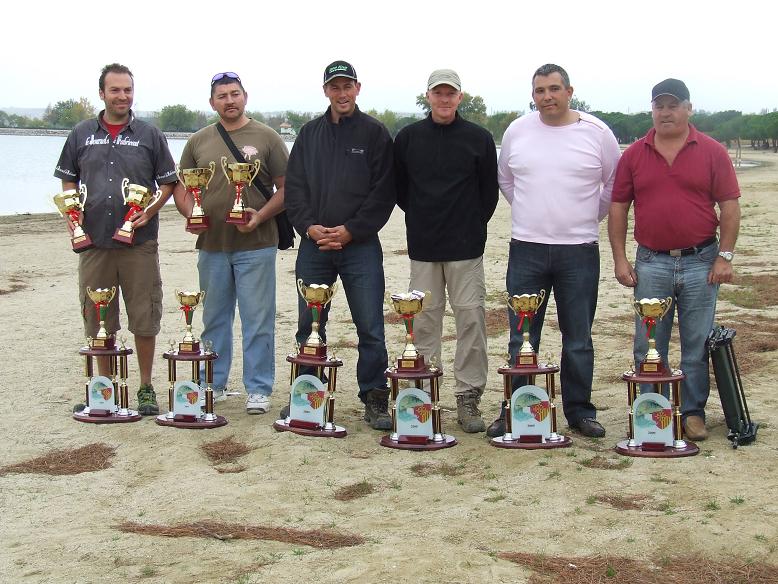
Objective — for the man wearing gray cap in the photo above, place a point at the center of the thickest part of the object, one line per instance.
(446, 173)
(676, 175)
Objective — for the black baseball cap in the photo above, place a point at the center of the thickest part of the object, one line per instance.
(339, 69)
(673, 87)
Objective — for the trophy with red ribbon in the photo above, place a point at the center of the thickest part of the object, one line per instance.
(189, 301)
(525, 306)
(408, 305)
(71, 203)
(317, 296)
(650, 310)
(196, 181)
(102, 298)
(138, 198)
(239, 174)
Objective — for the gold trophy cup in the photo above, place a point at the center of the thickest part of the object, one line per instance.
(650, 310)
(71, 203)
(102, 298)
(317, 296)
(408, 305)
(189, 301)
(196, 181)
(239, 174)
(525, 306)
(138, 198)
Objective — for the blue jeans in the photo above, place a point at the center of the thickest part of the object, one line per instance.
(248, 277)
(572, 272)
(685, 280)
(361, 270)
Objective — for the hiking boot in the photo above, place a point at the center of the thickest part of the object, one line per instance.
(284, 413)
(468, 414)
(377, 409)
(257, 403)
(78, 408)
(147, 400)
(589, 427)
(694, 428)
(497, 428)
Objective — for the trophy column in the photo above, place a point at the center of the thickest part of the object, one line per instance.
(106, 401)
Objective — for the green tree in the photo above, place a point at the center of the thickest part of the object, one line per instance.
(5, 119)
(498, 122)
(177, 118)
(472, 107)
(66, 114)
(298, 119)
(579, 104)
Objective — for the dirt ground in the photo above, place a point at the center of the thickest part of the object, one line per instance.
(441, 516)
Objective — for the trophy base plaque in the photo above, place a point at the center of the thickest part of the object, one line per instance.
(95, 416)
(304, 428)
(237, 217)
(657, 450)
(313, 352)
(81, 243)
(187, 347)
(656, 369)
(198, 223)
(107, 344)
(411, 363)
(124, 236)
(190, 422)
(418, 442)
(532, 442)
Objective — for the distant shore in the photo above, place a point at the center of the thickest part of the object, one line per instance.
(50, 132)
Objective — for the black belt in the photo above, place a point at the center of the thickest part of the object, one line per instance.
(688, 250)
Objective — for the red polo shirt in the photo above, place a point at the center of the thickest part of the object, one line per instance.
(674, 205)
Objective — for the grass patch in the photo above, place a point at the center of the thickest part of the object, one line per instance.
(66, 461)
(622, 502)
(355, 491)
(752, 291)
(756, 337)
(317, 538)
(225, 451)
(423, 469)
(601, 462)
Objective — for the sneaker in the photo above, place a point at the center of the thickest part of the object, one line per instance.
(147, 401)
(377, 409)
(257, 403)
(468, 414)
(694, 428)
(219, 395)
(589, 427)
(497, 428)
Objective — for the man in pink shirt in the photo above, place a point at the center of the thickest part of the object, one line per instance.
(556, 170)
(676, 175)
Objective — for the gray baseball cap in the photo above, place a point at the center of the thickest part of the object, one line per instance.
(444, 77)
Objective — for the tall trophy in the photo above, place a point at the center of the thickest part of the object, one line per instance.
(650, 310)
(71, 203)
(525, 306)
(102, 298)
(189, 301)
(529, 411)
(416, 414)
(313, 376)
(239, 174)
(654, 427)
(138, 198)
(196, 181)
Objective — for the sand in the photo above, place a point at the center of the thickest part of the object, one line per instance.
(448, 526)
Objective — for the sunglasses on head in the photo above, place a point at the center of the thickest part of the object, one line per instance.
(228, 74)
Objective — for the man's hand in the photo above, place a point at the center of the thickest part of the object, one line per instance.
(253, 222)
(721, 272)
(332, 238)
(625, 273)
(139, 219)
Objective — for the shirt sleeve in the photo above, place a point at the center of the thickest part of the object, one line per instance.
(67, 166)
(164, 165)
(401, 170)
(487, 179)
(623, 185)
(504, 174)
(610, 159)
(297, 193)
(725, 185)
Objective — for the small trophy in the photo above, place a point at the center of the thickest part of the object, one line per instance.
(240, 174)
(138, 198)
(408, 305)
(196, 181)
(651, 310)
(189, 301)
(102, 298)
(317, 296)
(71, 204)
(525, 306)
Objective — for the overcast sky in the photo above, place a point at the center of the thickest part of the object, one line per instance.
(614, 51)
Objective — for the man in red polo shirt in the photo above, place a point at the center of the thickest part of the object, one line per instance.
(676, 176)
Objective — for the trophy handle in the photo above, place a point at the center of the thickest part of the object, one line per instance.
(212, 166)
(157, 196)
(666, 304)
(202, 292)
(82, 192)
(113, 293)
(178, 174)
(334, 289)
(301, 287)
(542, 295)
(224, 168)
(57, 200)
(256, 170)
(636, 308)
(125, 182)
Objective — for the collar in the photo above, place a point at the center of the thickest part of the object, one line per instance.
(691, 138)
(129, 126)
(345, 119)
(432, 123)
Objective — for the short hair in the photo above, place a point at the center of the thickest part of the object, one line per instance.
(548, 69)
(114, 68)
(226, 81)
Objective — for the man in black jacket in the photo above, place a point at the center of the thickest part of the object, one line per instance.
(339, 193)
(446, 172)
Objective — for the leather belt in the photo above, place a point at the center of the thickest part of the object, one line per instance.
(676, 253)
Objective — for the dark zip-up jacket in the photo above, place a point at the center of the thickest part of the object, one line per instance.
(447, 185)
(341, 174)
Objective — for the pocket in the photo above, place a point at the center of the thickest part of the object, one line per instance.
(708, 254)
(356, 171)
(643, 254)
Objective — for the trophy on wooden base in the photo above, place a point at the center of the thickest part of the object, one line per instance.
(239, 174)
(138, 198)
(71, 203)
(189, 301)
(107, 400)
(654, 428)
(525, 306)
(196, 181)
(313, 375)
(416, 414)
(102, 298)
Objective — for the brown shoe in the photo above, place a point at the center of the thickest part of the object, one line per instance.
(694, 428)
(468, 414)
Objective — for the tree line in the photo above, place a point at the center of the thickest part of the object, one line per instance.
(761, 129)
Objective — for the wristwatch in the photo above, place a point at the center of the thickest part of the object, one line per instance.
(727, 255)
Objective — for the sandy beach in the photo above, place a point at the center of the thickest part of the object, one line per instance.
(443, 516)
